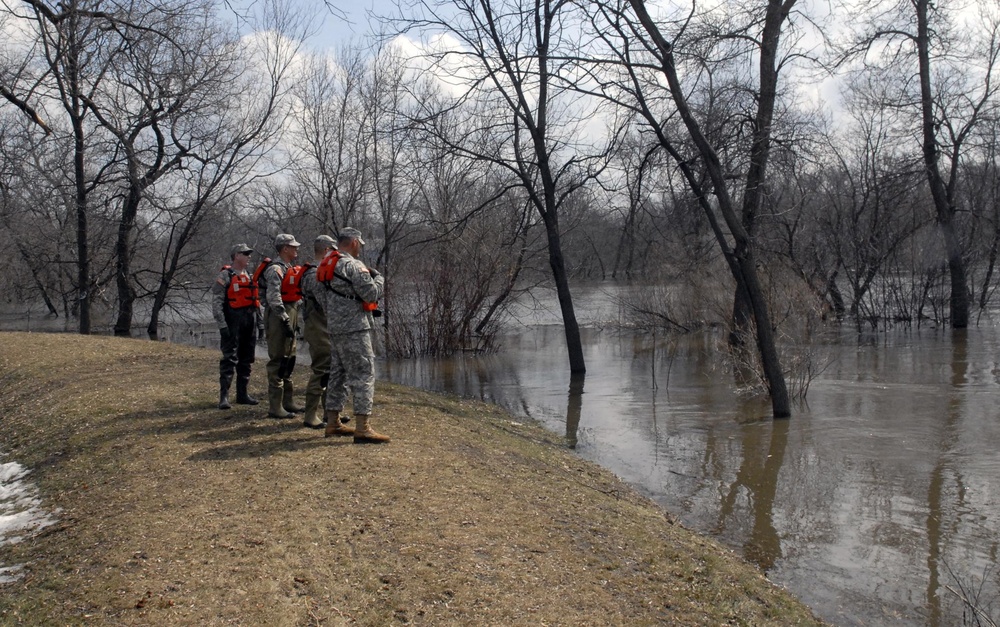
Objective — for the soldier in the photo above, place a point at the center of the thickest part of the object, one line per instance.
(280, 295)
(236, 310)
(316, 335)
(351, 295)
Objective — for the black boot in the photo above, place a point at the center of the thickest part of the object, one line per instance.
(242, 397)
(224, 382)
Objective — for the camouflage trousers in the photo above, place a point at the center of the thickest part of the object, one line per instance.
(352, 367)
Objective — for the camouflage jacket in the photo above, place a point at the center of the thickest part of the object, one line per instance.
(270, 289)
(312, 296)
(352, 285)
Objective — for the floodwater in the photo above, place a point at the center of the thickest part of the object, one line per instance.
(877, 502)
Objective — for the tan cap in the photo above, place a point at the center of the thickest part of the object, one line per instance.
(350, 232)
(324, 240)
(284, 239)
(240, 248)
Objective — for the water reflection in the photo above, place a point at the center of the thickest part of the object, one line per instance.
(866, 503)
(755, 485)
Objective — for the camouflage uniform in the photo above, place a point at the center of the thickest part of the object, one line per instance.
(280, 347)
(317, 337)
(352, 358)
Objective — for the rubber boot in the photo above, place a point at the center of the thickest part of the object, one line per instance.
(224, 393)
(334, 426)
(310, 419)
(242, 397)
(286, 399)
(364, 434)
(275, 410)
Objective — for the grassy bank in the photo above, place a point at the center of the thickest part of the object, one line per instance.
(171, 512)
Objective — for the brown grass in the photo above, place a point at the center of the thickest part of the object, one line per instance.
(172, 512)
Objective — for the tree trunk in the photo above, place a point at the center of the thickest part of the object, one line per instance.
(959, 302)
(123, 259)
(770, 362)
(574, 344)
(82, 251)
(960, 298)
(159, 300)
(760, 149)
(742, 264)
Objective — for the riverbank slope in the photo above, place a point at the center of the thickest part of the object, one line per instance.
(171, 512)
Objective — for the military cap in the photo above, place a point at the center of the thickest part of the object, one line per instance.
(284, 239)
(240, 248)
(324, 240)
(350, 232)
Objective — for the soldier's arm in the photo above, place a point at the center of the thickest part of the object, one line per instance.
(218, 290)
(273, 276)
(367, 288)
(310, 290)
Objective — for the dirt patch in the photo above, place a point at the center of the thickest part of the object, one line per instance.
(171, 512)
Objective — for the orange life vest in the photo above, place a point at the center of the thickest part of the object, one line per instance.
(291, 284)
(241, 291)
(264, 263)
(328, 266)
(327, 270)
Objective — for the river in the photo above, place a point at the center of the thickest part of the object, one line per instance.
(876, 497)
(875, 500)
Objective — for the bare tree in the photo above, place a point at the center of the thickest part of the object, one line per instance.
(639, 54)
(947, 79)
(144, 98)
(77, 41)
(333, 161)
(227, 151)
(228, 130)
(508, 54)
(850, 217)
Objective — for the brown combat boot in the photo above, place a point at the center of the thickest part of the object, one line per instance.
(364, 434)
(334, 426)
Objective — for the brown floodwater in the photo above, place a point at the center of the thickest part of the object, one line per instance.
(876, 497)
(877, 502)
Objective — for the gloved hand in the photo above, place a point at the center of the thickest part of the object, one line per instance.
(289, 329)
(375, 273)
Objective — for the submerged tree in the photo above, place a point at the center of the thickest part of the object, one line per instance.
(506, 58)
(945, 76)
(704, 139)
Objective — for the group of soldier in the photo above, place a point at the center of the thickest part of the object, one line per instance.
(335, 298)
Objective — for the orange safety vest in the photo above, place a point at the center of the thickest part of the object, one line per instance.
(327, 270)
(264, 263)
(291, 284)
(241, 291)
